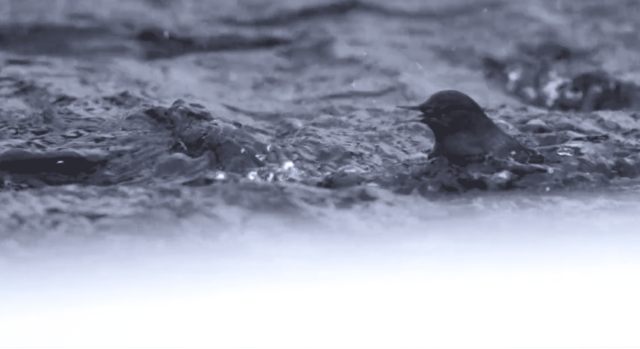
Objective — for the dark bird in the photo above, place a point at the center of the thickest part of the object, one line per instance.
(465, 134)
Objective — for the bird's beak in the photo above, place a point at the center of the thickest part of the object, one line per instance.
(416, 108)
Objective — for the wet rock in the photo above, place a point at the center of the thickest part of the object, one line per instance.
(501, 180)
(491, 174)
(608, 125)
(40, 132)
(590, 166)
(64, 100)
(627, 167)
(597, 91)
(545, 139)
(342, 180)
(232, 156)
(536, 126)
(124, 99)
(583, 180)
(195, 134)
(179, 116)
(179, 164)
(335, 155)
(541, 76)
(592, 138)
(505, 126)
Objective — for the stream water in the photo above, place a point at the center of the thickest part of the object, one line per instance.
(237, 174)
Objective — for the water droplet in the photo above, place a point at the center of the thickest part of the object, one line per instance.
(221, 176)
(242, 150)
(60, 162)
(288, 165)
(514, 74)
(253, 175)
(505, 175)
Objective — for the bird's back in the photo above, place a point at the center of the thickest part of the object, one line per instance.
(480, 139)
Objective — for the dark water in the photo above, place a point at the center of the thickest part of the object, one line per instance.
(253, 150)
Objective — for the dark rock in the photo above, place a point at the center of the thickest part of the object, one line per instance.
(195, 134)
(342, 180)
(124, 99)
(540, 75)
(626, 167)
(536, 126)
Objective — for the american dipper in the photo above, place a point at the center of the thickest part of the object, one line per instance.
(465, 134)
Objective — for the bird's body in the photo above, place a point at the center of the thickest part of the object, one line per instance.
(465, 134)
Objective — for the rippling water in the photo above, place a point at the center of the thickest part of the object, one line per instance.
(184, 174)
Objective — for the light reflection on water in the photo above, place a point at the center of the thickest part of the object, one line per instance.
(490, 271)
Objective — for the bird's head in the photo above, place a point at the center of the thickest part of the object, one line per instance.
(448, 111)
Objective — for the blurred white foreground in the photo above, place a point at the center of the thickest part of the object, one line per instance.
(501, 272)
